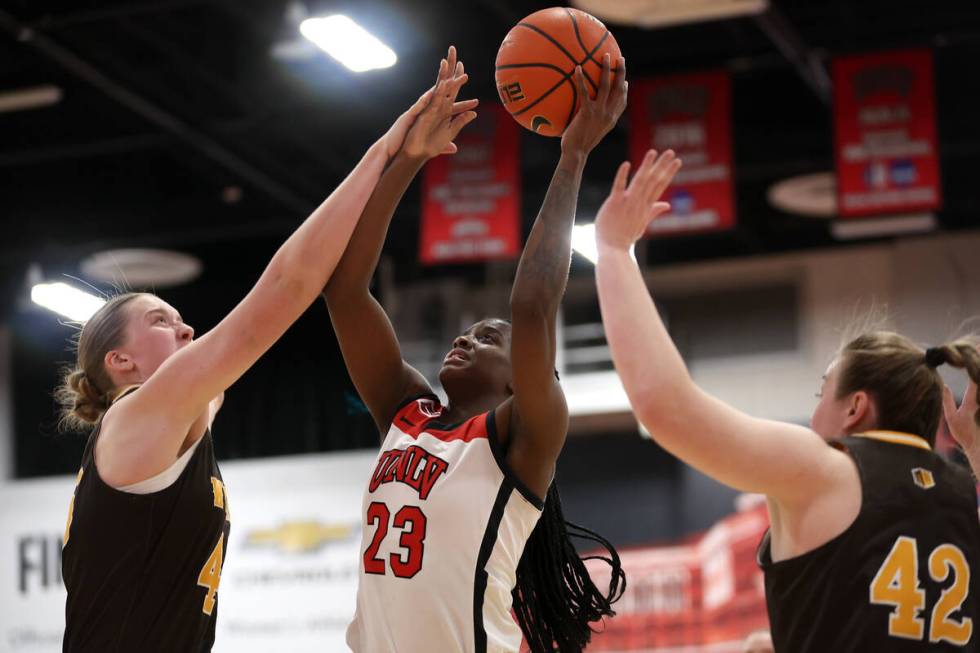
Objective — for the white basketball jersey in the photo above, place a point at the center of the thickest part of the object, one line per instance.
(445, 526)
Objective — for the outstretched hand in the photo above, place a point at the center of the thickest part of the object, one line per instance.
(429, 126)
(442, 119)
(624, 216)
(596, 117)
(962, 420)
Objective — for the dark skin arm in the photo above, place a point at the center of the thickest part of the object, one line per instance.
(536, 416)
(367, 340)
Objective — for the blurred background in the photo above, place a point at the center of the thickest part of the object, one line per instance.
(172, 145)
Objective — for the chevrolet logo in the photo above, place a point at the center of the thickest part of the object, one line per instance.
(300, 536)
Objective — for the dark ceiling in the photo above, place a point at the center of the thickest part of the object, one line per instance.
(169, 103)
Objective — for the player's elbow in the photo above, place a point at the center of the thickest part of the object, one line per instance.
(663, 408)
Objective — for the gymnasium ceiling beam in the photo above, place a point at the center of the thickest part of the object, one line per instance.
(198, 140)
(790, 44)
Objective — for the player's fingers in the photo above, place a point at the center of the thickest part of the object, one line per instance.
(605, 80)
(465, 105)
(451, 60)
(622, 174)
(663, 173)
(459, 122)
(421, 103)
(643, 172)
(456, 83)
(452, 91)
(446, 94)
(450, 149)
(658, 209)
(580, 83)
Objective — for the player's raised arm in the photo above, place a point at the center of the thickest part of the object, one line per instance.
(539, 414)
(367, 339)
(783, 460)
(141, 434)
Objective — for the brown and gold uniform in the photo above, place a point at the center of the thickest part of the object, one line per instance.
(903, 577)
(142, 570)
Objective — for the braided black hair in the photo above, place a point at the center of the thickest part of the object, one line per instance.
(555, 599)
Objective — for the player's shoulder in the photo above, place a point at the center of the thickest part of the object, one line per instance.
(418, 409)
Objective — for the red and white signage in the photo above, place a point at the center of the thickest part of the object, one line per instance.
(471, 200)
(885, 134)
(703, 595)
(690, 114)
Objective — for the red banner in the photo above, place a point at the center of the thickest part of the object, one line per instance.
(885, 134)
(471, 200)
(705, 593)
(690, 114)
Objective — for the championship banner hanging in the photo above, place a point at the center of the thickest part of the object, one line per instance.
(690, 114)
(471, 200)
(885, 134)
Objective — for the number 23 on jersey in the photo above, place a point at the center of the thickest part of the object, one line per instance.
(411, 521)
(897, 584)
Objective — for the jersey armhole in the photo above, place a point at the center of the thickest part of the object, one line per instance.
(500, 456)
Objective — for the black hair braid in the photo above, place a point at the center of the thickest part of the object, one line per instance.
(555, 599)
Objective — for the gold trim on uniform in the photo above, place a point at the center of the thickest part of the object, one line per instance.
(895, 437)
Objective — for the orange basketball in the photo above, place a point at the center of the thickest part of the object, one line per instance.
(536, 63)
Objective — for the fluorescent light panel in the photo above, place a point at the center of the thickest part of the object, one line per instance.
(34, 97)
(66, 300)
(348, 43)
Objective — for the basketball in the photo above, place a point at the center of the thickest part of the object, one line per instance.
(536, 64)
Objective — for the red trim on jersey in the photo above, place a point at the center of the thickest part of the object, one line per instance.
(422, 416)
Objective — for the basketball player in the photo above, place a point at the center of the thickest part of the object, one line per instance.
(462, 490)
(873, 537)
(148, 525)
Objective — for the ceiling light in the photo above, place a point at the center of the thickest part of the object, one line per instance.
(813, 195)
(142, 268)
(66, 300)
(34, 97)
(662, 13)
(348, 43)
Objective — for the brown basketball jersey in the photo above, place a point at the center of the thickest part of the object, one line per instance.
(903, 577)
(142, 570)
